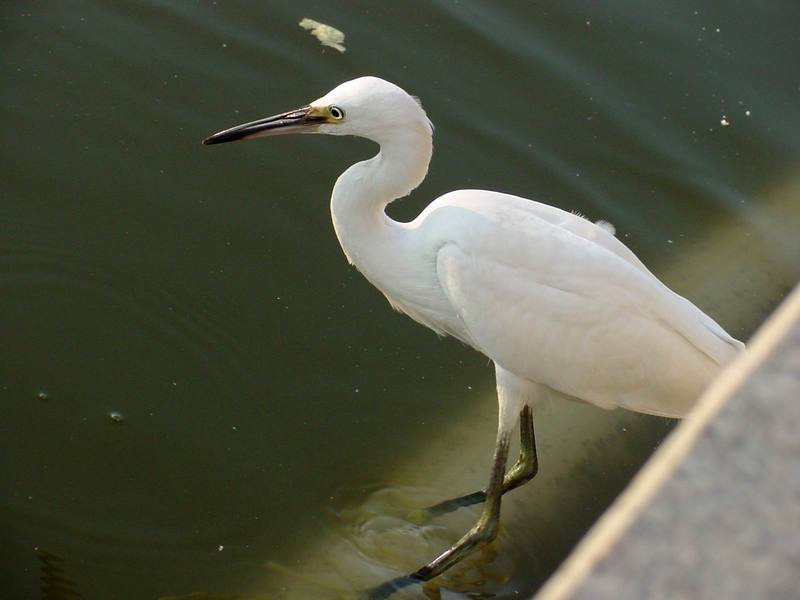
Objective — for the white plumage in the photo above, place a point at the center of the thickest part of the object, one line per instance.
(556, 301)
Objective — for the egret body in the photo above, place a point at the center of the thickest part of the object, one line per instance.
(557, 302)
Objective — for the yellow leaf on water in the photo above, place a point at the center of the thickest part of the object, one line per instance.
(327, 35)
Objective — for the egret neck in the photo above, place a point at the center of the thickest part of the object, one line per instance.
(368, 236)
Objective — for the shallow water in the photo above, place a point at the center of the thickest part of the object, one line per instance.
(272, 408)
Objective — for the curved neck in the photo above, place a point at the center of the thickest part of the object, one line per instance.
(363, 191)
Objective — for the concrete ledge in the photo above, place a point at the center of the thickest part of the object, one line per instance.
(715, 513)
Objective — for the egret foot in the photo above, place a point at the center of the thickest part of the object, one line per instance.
(388, 588)
(485, 530)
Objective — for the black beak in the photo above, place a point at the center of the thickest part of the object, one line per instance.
(301, 120)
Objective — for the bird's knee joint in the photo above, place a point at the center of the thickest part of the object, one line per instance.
(531, 470)
(524, 471)
(485, 531)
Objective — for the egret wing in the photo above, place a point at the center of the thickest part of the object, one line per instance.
(598, 233)
(561, 310)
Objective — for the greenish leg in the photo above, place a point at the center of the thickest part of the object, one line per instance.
(485, 529)
(524, 470)
(527, 464)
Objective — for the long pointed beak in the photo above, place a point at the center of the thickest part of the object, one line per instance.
(300, 120)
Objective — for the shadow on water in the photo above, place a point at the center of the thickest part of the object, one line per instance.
(56, 584)
(372, 532)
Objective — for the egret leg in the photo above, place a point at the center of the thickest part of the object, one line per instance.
(483, 532)
(524, 470)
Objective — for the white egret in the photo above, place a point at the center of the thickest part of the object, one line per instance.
(555, 301)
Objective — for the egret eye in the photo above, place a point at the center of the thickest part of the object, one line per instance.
(336, 113)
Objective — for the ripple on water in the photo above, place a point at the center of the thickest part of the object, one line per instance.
(79, 404)
(381, 537)
(149, 309)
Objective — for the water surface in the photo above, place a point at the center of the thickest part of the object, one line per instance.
(272, 408)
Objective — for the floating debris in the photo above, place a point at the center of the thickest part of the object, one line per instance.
(115, 416)
(724, 121)
(43, 395)
(327, 35)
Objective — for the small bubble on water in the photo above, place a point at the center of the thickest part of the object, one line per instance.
(724, 121)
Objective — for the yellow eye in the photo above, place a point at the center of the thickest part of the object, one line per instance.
(336, 113)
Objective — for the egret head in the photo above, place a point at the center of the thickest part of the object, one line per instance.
(366, 107)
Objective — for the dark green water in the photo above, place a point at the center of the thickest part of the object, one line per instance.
(200, 292)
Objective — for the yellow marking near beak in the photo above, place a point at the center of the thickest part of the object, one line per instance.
(319, 111)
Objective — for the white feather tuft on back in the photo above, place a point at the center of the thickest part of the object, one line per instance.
(609, 227)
